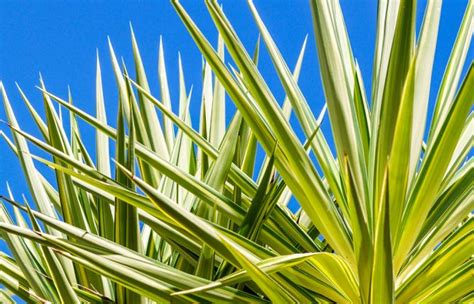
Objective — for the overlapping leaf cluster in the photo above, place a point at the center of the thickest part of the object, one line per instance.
(175, 215)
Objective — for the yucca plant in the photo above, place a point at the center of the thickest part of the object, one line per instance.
(183, 215)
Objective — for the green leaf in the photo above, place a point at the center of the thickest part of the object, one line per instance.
(362, 111)
(152, 125)
(362, 241)
(216, 178)
(337, 73)
(165, 96)
(126, 217)
(36, 116)
(452, 74)
(105, 219)
(410, 122)
(300, 106)
(386, 112)
(218, 109)
(436, 161)
(382, 281)
(262, 204)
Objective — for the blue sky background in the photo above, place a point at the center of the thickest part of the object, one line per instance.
(60, 38)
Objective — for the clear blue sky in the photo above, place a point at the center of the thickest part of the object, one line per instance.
(60, 38)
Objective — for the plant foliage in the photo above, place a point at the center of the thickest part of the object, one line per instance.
(175, 215)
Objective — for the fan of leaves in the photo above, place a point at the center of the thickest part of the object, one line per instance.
(176, 215)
